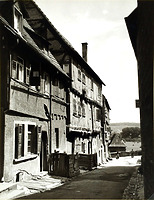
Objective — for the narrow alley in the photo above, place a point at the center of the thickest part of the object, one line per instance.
(107, 182)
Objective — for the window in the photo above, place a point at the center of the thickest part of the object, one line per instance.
(83, 78)
(46, 83)
(27, 140)
(32, 139)
(83, 147)
(83, 110)
(74, 107)
(57, 137)
(99, 92)
(66, 68)
(58, 89)
(28, 70)
(79, 109)
(98, 114)
(35, 76)
(18, 69)
(17, 20)
(79, 74)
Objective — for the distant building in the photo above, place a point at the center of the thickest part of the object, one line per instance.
(117, 144)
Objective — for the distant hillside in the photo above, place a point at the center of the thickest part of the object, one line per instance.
(117, 127)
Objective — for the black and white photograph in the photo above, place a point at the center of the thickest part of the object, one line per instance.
(77, 99)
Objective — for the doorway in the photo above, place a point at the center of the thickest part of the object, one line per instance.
(43, 154)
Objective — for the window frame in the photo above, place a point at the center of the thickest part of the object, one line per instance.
(79, 109)
(27, 74)
(79, 75)
(83, 78)
(46, 85)
(83, 110)
(17, 65)
(98, 114)
(74, 107)
(34, 148)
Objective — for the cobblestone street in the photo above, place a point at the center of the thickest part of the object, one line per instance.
(135, 188)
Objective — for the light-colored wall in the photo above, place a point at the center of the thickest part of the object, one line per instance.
(31, 166)
(59, 121)
(27, 101)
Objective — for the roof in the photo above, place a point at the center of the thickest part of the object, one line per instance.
(38, 20)
(106, 102)
(27, 39)
(117, 141)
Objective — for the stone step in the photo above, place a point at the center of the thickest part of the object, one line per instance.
(4, 187)
(12, 194)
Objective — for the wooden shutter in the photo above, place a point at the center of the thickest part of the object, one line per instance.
(38, 130)
(14, 69)
(19, 140)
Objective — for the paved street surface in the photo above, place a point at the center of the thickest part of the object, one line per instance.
(104, 183)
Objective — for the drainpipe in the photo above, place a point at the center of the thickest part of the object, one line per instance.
(92, 120)
(50, 125)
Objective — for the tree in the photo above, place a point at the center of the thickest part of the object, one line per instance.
(130, 133)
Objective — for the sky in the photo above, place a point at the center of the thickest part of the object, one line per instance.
(101, 24)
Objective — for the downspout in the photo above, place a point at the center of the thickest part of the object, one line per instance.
(71, 101)
(92, 120)
(50, 126)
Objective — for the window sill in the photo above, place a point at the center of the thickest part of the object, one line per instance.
(25, 158)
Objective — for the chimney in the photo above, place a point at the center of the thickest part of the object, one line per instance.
(84, 50)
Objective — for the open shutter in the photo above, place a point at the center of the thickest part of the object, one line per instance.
(38, 130)
(19, 141)
(16, 140)
(14, 69)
